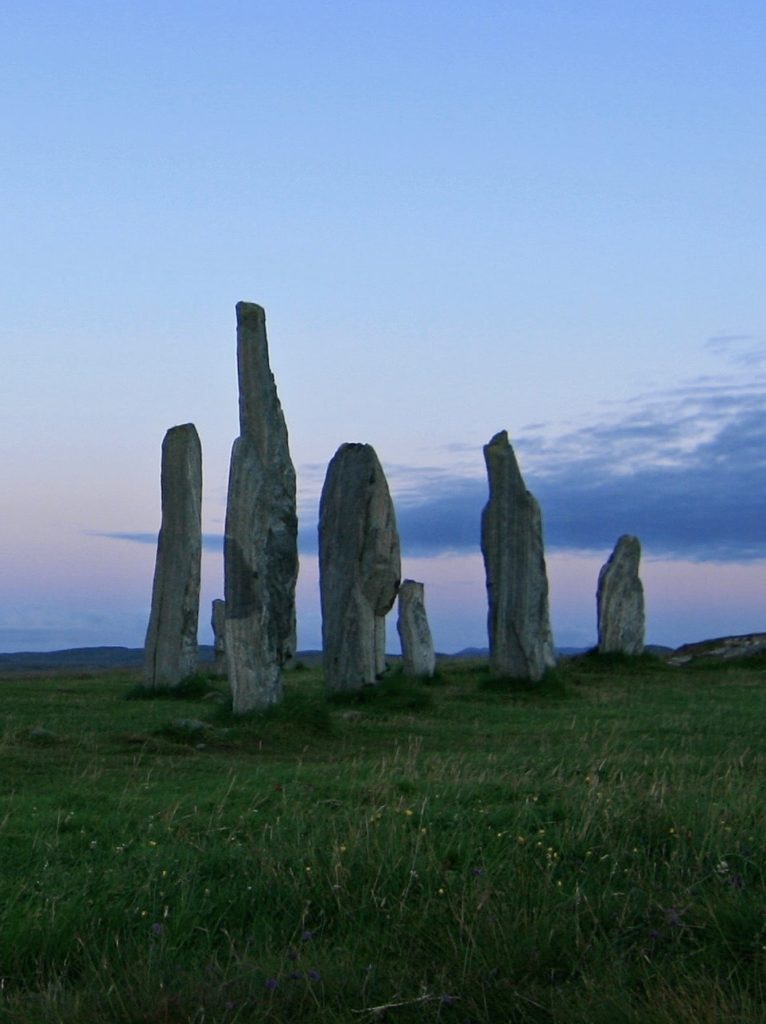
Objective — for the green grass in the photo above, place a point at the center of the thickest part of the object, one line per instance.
(591, 849)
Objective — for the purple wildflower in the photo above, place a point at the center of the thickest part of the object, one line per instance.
(271, 984)
(157, 928)
(307, 936)
(673, 918)
(314, 976)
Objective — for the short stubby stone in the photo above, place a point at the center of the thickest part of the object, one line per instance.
(170, 650)
(518, 622)
(261, 532)
(359, 567)
(620, 600)
(218, 623)
(418, 658)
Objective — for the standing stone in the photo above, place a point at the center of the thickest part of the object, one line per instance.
(218, 622)
(170, 651)
(261, 533)
(418, 657)
(359, 567)
(520, 638)
(620, 600)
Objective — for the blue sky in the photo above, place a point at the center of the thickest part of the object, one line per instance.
(546, 218)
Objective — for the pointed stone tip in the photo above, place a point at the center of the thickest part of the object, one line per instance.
(627, 542)
(500, 438)
(250, 310)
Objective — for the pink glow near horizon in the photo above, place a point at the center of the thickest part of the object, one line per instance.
(98, 590)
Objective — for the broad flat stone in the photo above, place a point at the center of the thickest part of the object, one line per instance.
(170, 650)
(520, 638)
(261, 533)
(620, 600)
(418, 657)
(359, 567)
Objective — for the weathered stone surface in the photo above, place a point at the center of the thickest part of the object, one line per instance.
(620, 600)
(260, 541)
(359, 567)
(418, 658)
(218, 622)
(170, 651)
(520, 638)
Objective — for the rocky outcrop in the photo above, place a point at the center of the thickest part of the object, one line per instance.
(359, 567)
(418, 657)
(520, 638)
(170, 650)
(722, 648)
(620, 600)
(218, 622)
(260, 540)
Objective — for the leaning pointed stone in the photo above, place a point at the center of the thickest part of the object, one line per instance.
(170, 650)
(218, 622)
(520, 638)
(261, 533)
(359, 567)
(418, 657)
(620, 600)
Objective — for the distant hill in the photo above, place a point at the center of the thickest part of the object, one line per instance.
(483, 652)
(98, 659)
(82, 659)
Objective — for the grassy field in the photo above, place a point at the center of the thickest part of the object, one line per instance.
(588, 850)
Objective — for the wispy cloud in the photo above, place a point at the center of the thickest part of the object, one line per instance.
(742, 350)
(684, 469)
(210, 541)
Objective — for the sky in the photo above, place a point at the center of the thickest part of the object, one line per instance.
(547, 218)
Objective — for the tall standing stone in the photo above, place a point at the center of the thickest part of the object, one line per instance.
(418, 657)
(170, 650)
(261, 533)
(218, 622)
(359, 567)
(520, 638)
(620, 600)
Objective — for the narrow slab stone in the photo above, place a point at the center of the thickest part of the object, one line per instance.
(418, 657)
(620, 600)
(218, 622)
(170, 650)
(520, 638)
(261, 533)
(359, 567)
(381, 665)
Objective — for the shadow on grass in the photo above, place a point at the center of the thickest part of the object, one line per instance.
(594, 663)
(553, 686)
(396, 692)
(302, 712)
(194, 688)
